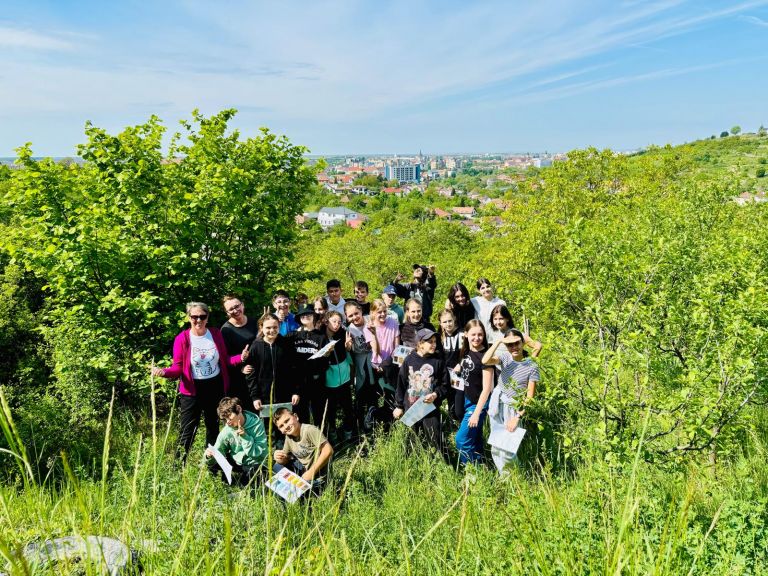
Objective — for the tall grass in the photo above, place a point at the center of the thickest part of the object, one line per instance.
(401, 510)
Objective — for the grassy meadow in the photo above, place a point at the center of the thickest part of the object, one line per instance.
(395, 508)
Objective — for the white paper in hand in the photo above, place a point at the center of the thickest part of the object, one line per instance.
(416, 412)
(400, 354)
(501, 438)
(457, 382)
(324, 350)
(268, 409)
(222, 462)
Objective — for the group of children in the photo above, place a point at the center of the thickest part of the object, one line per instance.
(333, 360)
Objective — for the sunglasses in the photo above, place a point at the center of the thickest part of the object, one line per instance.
(200, 317)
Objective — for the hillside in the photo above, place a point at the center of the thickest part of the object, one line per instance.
(642, 277)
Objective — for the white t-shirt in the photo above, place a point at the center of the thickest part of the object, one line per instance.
(204, 356)
(483, 308)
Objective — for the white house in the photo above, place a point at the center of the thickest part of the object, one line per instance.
(328, 216)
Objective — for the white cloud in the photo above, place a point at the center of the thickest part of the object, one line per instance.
(756, 20)
(343, 60)
(30, 40)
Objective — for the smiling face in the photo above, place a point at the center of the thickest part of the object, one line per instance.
(355, 316)
(198, 320)
(460, 298)
(282, 306)
(361, 294)
(307, 321)
(234, 309)
(380, 314)
(475, 336)
(414, 313)
(389, 299)
(486, 291)
(500, 323)
(288, 424)
(269, 329)
(515, 346)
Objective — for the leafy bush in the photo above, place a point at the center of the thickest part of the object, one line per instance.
(123, 241)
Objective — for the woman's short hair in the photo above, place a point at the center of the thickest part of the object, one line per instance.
(201, 305)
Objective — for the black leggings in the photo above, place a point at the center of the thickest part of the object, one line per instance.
(205, 403)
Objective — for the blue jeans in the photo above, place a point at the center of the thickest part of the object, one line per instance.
(469, 441)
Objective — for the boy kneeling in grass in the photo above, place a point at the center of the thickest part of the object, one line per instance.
(306, 451)
(242, 441)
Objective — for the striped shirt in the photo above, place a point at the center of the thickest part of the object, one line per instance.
(514, 377)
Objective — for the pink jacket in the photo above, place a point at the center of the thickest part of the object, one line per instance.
(182, 366)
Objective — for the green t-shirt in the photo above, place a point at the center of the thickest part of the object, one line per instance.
(248, 450)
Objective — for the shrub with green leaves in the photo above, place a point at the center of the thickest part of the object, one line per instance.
(122, 241)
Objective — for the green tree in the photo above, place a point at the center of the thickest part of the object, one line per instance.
(125, 240)
(369, 181)
(724, 134)
(736, 130)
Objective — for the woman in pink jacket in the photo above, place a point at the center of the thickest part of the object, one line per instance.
(200, 362)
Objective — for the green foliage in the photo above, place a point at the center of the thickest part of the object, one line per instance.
(369, 181)
(383, 247)
(402, 509)
(629, 269)
(723, 134)
(760, 172)
(123, 241)
(735, 130)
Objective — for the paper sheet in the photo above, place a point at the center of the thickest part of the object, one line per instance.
(268, 409)
(400, 353)
(222, 462)
(324, 350)
(288, 486)
(504, 440)
(416, 412)
(457, 382)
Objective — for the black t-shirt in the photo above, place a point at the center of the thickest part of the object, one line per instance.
(472, 373)
(236, 338)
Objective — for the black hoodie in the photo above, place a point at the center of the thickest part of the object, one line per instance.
(273, 378)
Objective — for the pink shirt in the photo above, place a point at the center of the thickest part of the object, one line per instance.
(385, 335)
(182, 367)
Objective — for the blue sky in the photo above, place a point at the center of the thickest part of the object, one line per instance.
(384, 77)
